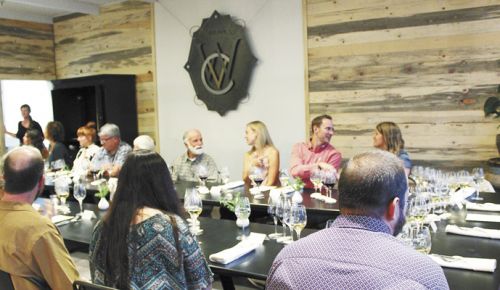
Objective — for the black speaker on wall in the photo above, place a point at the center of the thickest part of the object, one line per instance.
(99, 98)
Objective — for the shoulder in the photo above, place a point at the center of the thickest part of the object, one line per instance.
(271, 150)
(125, 147)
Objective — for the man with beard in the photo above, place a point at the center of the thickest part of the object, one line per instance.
(360, 251)
(188, 165)
(31, 249)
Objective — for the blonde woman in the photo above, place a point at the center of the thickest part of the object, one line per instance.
(262, 155)
(388, 137)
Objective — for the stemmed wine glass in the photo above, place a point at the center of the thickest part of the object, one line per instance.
(258, 175)
(193, 205)
(242, 211)
(61, 186)
(284, 178)
(202, 172)
(478, 176)
(224, 175)
(298, 218)
(329, 179)
(79, 193)
(283, 210)
(272, 210)
(316, 176)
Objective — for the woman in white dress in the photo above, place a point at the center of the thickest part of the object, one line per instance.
(86, 137)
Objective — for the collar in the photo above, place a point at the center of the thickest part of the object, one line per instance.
(320, 148)
(16, 206)
(186, 157)
(361, 222)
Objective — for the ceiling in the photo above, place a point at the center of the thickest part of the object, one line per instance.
(44, 11)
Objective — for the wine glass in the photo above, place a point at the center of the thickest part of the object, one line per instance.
(242, 211)
(272, 210)
(79, 193)
(284, 216)
(224, 175)
(316, 176)
(329, 178)
(61, 186)
(421, 238)
(258, 177)
(193, 205)
(202, 172)
(284, 178)
(298, 218)
(478, 176)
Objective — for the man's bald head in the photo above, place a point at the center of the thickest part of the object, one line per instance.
(22, 169)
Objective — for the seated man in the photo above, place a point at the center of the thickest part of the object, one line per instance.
(317, 153)
(31, 248)
(360, 251)
(186, 166)
(144, 142)
(113, 152)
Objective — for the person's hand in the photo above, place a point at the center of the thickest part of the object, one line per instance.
(325, 166)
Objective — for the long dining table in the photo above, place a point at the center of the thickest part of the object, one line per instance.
(221, 234)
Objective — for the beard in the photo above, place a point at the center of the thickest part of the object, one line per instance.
(198, 150)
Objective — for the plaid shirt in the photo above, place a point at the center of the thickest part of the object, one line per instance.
(184, 169)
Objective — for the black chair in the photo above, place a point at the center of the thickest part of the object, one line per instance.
(83, 285)
(5, 281)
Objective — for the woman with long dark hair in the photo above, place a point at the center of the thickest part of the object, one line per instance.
(57, 150)
(387, 136)
(26, 124)
(143, 240)
(34, 137)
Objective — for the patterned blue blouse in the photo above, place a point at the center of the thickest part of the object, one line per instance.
(154, 259)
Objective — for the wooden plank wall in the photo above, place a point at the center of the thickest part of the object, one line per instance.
(117, 41)
(427, 65)
(27, 50)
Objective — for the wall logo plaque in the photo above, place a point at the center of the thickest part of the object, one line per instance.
(220, 63)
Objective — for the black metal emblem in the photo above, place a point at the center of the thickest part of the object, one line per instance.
(220, 63)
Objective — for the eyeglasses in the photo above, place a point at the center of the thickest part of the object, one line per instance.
(105, 139)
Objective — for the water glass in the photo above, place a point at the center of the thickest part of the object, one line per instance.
(272, 210)
(478, 176)
(242, 211)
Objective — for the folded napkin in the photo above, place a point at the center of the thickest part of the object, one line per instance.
(250, 243)
(483, 206)
(474, 232)
(475, 264)
(486, 186)
(462, 194)
(59, 218)
(482, 217)
(233, 184)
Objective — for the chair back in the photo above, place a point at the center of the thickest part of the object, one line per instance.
(83, 285)
(5, 281)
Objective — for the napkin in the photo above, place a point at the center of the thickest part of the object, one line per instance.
(462, 194)
(483, 206)
(486, 186)
(233, 184)
(475, 264)
(59, 218)
(482, 217)
(474, 232)
(250, 243)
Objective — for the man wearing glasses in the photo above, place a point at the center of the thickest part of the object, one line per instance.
(113, 152)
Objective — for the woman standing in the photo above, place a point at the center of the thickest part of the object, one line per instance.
(142, 240)
(26, 124)
(86, 137)
(388, 137)
(263, 155)
(57, 150)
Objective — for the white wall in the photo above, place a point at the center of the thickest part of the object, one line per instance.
(276, 90)
(15, 93)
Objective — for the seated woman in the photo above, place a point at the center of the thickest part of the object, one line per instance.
(57, 150)
(387, 136)
(142, 240)
(262, 155)
(34, 137)
(86, 137)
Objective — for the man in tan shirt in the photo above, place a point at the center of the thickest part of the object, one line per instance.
(31, 247)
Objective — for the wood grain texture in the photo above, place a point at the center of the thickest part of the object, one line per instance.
(117, 41)
(426, 65)
(27, 50)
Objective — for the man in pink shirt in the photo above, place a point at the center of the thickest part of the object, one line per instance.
(317, 153)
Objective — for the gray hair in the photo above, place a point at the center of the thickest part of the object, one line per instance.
(370, 181)
(144, 142)
(187, 133)
(110, 130)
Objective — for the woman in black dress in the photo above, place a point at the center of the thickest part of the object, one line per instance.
(26, 124)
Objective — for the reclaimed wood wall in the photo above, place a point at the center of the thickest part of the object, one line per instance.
(117, 41)
(427, 65)
(27, 50)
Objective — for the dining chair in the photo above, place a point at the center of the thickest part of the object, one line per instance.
(84, 285)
